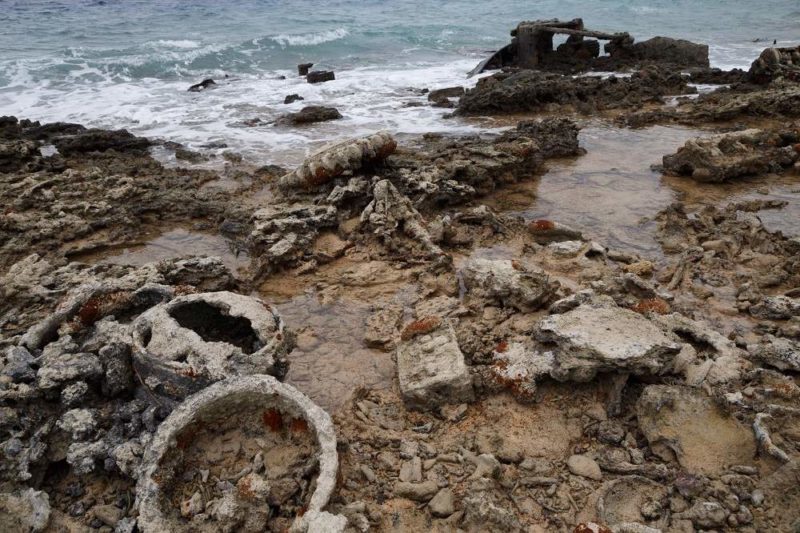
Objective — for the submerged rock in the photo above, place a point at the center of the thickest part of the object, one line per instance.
(291, 98)
(310, 114)
(683, 424)
(203, 85)
(319, 76)
(303, 68)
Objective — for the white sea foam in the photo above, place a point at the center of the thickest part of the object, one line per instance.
(369, 98)
(310, 39)
(185, 44)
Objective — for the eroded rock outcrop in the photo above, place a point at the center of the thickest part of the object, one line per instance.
(718, 158)
(529, 90)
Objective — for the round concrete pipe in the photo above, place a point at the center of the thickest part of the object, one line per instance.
(222, 401)
(182, 346)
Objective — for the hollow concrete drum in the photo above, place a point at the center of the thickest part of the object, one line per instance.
(183, 345)
(210, 411)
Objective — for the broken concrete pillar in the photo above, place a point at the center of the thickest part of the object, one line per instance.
(334, 160)
(430, 365)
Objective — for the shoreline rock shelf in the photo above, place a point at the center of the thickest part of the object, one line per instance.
(507, 368)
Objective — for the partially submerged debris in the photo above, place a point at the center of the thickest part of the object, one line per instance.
(774, 64)
(531, 47)
(309, 114)
(683, 424)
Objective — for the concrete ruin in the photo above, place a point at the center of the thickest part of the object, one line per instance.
(532, 47)
(183, 345)
(277, 407)
(430, 365)
(332, 161)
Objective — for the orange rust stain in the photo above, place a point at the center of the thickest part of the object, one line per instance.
(591, 527)
(652, 305)
(542, 225)
(89, 312)
(298, 425)
(502, 347)
(273, 419)
(420, 327)
(185, 438)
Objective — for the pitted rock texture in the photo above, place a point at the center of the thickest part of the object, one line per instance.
(507, 283)
(595, 338)
(430, 365)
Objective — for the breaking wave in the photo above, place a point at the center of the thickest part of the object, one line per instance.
(311, 39)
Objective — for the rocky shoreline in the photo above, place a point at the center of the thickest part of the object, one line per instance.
(525, 376)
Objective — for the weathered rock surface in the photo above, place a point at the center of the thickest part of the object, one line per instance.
(332, 161)
(777, 352)
(27, 511)
(538, 91)
(507, 283)
(717, 158)
(600, 337)
(391, 215)
(584, 466)
(431, 367)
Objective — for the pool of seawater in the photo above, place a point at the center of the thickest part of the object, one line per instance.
(612, 194)
(331, 360)
(172, 244)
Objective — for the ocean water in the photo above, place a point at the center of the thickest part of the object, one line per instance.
(128, 63)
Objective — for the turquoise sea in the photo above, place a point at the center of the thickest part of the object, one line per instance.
(127, 63)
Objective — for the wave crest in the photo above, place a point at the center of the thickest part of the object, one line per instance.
(311, 39)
